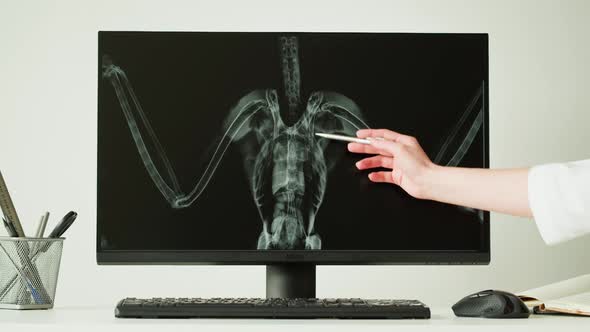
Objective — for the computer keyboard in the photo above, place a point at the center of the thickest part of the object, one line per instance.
(269, 308)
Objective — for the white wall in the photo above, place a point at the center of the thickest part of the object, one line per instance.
(540, 112)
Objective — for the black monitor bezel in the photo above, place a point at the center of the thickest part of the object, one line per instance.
(320, 257)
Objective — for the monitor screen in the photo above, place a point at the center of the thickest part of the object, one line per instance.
(206, 145)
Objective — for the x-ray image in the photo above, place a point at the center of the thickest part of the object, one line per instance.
(178, 112)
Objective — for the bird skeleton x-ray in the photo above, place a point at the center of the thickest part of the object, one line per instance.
(285, 162)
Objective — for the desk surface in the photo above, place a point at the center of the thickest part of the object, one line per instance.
(102, 319)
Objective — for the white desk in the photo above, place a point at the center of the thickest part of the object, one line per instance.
(86, 319)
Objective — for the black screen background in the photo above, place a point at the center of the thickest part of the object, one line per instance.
(417, 84)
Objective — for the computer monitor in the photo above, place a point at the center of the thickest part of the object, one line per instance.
(207, 152)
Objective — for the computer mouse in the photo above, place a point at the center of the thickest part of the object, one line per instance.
(491, 304)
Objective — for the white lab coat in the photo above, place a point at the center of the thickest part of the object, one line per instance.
(559, 197)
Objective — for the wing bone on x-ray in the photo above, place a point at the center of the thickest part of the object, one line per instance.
(456, 145)
(461, 137)
(130, 105)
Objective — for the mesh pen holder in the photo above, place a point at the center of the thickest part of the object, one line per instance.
(29, 268)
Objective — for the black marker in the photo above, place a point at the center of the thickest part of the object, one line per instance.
(63, 225)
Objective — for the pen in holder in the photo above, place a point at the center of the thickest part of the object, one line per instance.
(29, 268)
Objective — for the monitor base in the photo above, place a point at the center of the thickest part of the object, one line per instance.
(290, 280)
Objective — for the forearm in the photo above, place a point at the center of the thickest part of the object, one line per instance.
(504, 191)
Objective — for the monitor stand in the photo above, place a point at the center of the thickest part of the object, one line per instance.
(290, 280)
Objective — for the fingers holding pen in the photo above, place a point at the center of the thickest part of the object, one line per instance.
(387, 134)
(384, 133)
(383, 147)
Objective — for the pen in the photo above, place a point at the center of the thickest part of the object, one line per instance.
(348, 138)
(63, 225)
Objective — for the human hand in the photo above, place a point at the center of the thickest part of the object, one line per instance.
(409, 164)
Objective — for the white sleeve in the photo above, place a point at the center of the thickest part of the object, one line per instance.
(559, 197)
